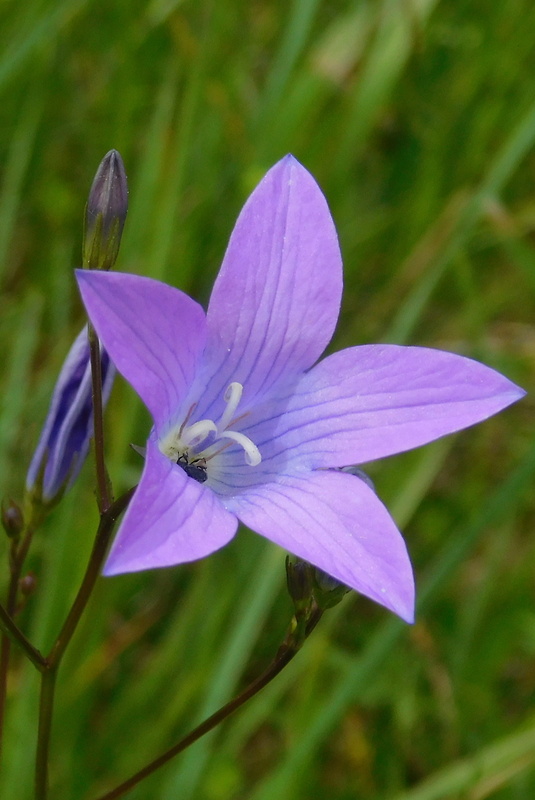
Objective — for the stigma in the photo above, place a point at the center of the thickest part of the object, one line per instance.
(192, 446)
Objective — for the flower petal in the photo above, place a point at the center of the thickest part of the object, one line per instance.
(276, 300)
(154, 334)
(337, 523)
(171, 520)
(369, 402)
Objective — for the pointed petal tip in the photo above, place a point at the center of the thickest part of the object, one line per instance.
(401, 603)
(517, 393)
(407, 614)
(507, 394)
(289, 163)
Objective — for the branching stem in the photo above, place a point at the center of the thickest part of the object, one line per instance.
(53, 660)
(290, 647)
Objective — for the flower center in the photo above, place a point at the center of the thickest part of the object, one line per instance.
(193, 446)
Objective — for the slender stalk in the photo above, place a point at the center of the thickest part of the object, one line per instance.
(13, 632)
(10, 631)
(46, 704)
(5, 652)
(109, 513)
(53, 660)
(287, 651)
(96, 560)
(5, 645)
(103, 484)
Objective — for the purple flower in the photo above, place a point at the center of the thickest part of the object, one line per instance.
(64, 441)
(247, 428)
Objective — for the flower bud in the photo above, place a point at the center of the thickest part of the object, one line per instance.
(12, 518)
(68, 428)
(328, 591)
(300, 588)
(28, 584)
(299, 580)
(105, 213)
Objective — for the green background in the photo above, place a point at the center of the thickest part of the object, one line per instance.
(417, 118)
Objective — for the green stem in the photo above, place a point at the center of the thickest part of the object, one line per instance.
(10, 631)
(109, 513)
(103, 484)
(53, 661)
(46, 705)
(13, 632)
(5, 645)
(96, 560)
(287, 651)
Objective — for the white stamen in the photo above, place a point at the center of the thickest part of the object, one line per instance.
(232, 399)
(252, 453)
(189, 439)
(197, 433)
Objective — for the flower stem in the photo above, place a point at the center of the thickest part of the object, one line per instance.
(52, 662)
(100, 546)
(290, 647)
(46, 704)
(104, 494)
(13, 632)
(10, 631)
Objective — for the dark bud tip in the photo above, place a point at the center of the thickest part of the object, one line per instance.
(300, 582)
(12, 518)
(328, 591)
(28, 584)
(105, 214)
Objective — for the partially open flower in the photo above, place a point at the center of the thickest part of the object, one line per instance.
(247, 426)
(68, 428)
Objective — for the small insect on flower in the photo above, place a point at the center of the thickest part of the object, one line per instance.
(196, 468)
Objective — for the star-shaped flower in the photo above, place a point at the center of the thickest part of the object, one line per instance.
(247, 426)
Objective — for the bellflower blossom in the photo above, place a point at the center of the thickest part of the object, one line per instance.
(64, 441)
(247, 426)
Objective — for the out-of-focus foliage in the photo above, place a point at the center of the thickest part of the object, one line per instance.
(417, 117)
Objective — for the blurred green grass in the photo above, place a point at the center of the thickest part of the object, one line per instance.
(417, 117)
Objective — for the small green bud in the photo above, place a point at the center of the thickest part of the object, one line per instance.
(328, 591)
(105, 213)
(12, 518)
(299, 581)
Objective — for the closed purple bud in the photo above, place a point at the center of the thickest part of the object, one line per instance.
(105, 213)
(68, 428)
